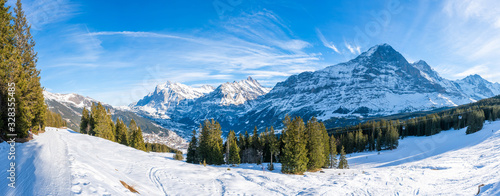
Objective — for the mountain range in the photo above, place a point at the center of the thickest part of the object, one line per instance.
(378, 82)
(70, 106)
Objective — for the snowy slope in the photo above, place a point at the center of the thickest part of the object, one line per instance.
(60, 162)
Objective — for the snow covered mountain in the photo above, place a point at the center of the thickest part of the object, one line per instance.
(168, 98)
(175, 98)
(235, 93)
(378, 82)
(181, 107)
(477, 87)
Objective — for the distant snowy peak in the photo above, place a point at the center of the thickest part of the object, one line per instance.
(74, 99)
(172, 93)
(477, 87)
(172, 98)
(182, 91)
(168, 97)
(237, 93)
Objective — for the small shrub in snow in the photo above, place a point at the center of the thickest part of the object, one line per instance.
(178, 156)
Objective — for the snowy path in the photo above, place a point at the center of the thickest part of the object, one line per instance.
(62, 162)
(43, 166)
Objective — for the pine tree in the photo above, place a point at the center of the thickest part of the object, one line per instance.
(350, 142)
(343, 160)
(135, 136)
(14, 81)
(192, 157)
(242, 146)
(379, 139)
(31, 92)
(121, 132)
(333, 152)
(392, 137)
(211, 148)
(273, 147)
(103, 124)
(84, 122)
(7, 68)
(132, 127)
(315, 148)
(138, 140)
(257, 147)
(294, 153)
(326, 145)
(217, 156)
(233, 149)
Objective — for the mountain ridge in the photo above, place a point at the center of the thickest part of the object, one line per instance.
(378, 82)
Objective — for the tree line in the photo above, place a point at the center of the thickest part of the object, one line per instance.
(22, 106)
(308, 146)
(98, 122)
(384, 134)
(300, 147)
(53, 120)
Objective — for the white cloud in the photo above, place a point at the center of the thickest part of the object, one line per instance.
(478, 69)
(484, 10)
(42, 12)
(325, 42)
(469, 32)
(257, 44)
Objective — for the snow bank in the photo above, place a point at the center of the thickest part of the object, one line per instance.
(62, 162)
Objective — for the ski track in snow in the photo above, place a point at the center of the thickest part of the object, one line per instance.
(63, 162)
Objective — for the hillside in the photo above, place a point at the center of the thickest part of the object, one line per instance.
(64, 162)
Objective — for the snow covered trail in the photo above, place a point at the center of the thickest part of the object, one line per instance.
(42, 167)
(63, 162)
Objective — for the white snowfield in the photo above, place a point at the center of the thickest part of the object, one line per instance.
(62, 162)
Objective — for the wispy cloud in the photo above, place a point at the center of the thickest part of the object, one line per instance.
(258, 44)
(325, 42)
(353, 48)
(478, 69)
(43, 12)
(470, 32)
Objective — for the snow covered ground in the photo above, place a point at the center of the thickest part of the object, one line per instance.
(62, 162)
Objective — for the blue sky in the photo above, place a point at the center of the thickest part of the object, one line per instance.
(118, 51)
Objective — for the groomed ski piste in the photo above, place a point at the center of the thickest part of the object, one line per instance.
(63, 162)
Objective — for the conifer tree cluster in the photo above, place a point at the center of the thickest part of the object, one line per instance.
(210, 149)
(20, 90)
(301, 147)
(306, 147)
(156, 147)
(53, 120)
